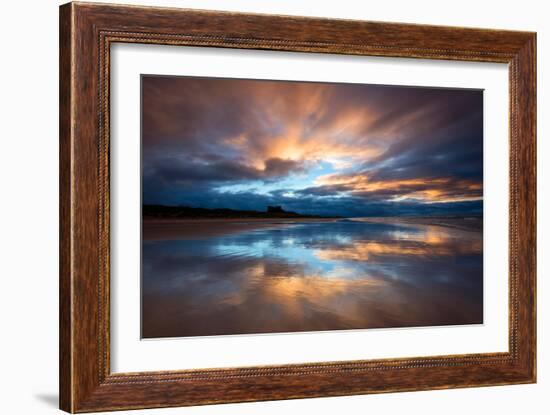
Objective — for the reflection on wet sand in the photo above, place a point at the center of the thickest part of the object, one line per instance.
(433, 240)
(308, 277)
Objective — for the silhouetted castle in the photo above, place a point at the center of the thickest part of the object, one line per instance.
(275, 209)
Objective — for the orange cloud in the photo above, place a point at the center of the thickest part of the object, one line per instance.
(440, 190)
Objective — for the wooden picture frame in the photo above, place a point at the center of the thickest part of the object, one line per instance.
(86, 33)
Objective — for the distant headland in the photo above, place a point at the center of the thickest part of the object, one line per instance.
(186, 212)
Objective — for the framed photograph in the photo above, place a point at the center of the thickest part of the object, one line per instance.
(258, 207)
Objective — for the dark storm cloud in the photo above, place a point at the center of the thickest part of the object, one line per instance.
(174, 171)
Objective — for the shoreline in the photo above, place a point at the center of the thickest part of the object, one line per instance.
(228, 220)
(468, 223)
(186, 228)
(199, 228)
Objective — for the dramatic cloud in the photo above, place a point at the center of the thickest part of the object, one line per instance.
(318, 148)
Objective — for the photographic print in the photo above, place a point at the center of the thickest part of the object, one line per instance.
(281, 206)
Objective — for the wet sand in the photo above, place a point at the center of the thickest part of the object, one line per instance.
(207, 277)
(474, 224)
(170, 229)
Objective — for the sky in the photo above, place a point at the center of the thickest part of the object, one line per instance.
(313, 148)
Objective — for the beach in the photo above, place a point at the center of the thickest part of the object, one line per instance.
(173, 228)
(169, 229)
(472, 223)
(203, 277)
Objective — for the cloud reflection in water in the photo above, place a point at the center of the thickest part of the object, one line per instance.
(311, 277)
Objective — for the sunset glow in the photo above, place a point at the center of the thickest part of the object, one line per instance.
(314, 148)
